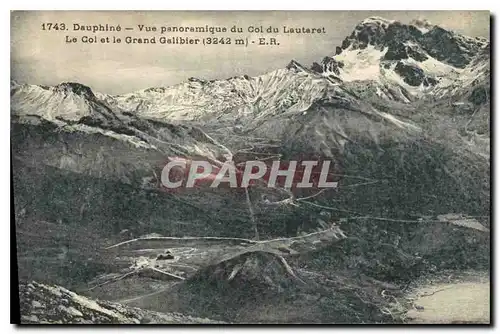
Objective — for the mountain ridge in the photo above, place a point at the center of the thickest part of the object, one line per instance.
(386, 42)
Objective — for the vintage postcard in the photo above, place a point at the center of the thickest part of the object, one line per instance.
(251, 167)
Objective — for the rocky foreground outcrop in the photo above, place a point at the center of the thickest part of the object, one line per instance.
(52, 304)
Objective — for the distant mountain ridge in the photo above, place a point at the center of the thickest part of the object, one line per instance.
(396, 61)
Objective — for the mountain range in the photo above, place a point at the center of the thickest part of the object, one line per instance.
(402, 109)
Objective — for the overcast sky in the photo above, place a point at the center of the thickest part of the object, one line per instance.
(43, 57)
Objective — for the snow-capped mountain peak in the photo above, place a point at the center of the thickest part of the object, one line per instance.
(416, 59)
(377, 20)
(422, 24)
(68, 100)
(390, 59)
(75, 88)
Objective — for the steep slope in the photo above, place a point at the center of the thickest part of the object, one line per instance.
(78, 161)
(87, 136)
(48, 304)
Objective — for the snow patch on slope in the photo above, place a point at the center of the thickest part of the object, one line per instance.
(434, 67)
(360, 64)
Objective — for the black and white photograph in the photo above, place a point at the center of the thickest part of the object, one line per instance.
(251, 167)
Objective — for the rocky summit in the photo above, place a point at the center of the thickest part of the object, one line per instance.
(49, 304)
